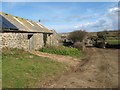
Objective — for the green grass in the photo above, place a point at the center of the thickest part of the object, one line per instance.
(61, 50)
(113, 42)
(22, 69)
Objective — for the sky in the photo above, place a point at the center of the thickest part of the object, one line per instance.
(67, 16)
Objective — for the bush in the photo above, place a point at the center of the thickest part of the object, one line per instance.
(79, 46)
(61, 50)
(101, 44)
(77, 36)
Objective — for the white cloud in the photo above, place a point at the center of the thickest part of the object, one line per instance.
(107, 21)
(113, 16)
(114, 9)
(98, 25)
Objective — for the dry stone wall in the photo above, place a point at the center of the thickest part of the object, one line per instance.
(21, 41)
(15, 40)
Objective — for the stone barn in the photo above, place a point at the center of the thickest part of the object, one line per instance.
(55, 38)
(22, 33)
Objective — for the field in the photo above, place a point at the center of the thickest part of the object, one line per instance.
(61, 50)
(113, 42)
(22, 69)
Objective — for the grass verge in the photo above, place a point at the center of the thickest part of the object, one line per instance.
(22, 69)
(61, 50)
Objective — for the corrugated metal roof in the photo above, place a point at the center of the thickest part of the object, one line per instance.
(21, 24)
(42, 27)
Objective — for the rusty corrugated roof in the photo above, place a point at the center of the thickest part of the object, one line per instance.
(13, 22)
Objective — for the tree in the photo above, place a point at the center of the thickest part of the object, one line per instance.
(77, 36)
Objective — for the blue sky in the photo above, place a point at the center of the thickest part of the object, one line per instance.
(67, 16)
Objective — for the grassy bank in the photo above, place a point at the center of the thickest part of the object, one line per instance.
(61, 50)
(22, 69)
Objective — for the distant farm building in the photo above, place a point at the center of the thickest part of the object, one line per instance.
(25, 34)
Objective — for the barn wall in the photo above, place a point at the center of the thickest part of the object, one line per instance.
(21, 41)
(15, 40)
(38, 41)
(53, 39)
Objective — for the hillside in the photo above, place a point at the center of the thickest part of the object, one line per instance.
(110, 33)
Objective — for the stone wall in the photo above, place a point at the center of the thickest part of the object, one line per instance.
(27, 41)
(38, 41)
(15, 40)
(55, 38)
(21, 41)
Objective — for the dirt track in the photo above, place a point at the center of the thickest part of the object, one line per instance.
(101, 71)
(70, 61)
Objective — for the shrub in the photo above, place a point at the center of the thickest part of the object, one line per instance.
(101, 44)
(79, 46)
(77, 36)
